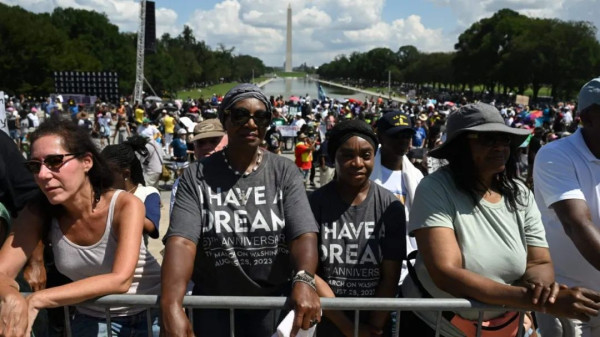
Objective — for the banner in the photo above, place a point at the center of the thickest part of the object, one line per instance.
(524, 100)
(3, 124)
(288, 130)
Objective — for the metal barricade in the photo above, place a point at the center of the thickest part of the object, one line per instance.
(354, 304)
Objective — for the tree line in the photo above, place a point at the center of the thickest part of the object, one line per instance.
(34, 46)
(507, 52)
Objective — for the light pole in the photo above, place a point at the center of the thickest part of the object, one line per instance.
(390, 83)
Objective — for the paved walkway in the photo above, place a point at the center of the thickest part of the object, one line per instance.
(372, 93)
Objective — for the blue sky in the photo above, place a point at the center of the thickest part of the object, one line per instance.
(322, 29)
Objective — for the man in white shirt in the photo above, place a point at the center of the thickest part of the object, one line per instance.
(392, 169)
(148, 130)
(567, 190)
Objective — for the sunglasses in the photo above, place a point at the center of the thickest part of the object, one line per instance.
(491, 139)
(53, 162)
(241, 116)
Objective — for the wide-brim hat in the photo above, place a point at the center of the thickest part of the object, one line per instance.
(476, 117)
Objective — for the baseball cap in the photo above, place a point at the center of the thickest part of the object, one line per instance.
(589, 94)
(208, 128)
(393, 122)
(146, 120)
(181, 131)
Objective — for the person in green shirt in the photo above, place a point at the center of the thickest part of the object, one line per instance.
(480, 234)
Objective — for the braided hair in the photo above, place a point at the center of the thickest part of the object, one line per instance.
(124, 157)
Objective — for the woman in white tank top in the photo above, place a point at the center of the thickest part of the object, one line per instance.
(96, 237)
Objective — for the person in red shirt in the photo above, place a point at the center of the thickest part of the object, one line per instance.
(303, 153)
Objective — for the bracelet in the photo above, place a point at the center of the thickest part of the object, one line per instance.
(305, 277)
(305, 282)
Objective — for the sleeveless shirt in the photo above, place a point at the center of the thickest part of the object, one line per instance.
(80, 262)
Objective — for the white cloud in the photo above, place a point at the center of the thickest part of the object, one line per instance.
(469, 11)
(122, 13)
(321, 29)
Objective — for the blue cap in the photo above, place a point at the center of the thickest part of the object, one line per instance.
(589, 95)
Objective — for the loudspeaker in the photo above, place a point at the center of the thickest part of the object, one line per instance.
(150, 29)
(104, 85)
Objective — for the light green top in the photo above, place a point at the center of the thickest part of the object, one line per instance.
(493, 240)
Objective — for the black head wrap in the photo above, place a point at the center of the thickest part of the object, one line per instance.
(343, 131)
(241, 92)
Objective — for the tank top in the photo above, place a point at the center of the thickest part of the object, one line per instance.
(80, 262)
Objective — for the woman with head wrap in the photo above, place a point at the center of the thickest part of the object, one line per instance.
(239, 226)
(362, 228)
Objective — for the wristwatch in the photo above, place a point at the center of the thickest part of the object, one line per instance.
(305, 277)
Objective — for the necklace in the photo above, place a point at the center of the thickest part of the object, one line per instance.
(132, 189)
(245, 174)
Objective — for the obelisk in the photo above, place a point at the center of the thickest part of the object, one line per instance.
(288, 46)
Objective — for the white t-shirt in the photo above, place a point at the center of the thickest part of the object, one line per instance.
(392, 181)
(566, 169)
(147, 131)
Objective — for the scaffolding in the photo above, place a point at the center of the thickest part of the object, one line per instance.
(139, 63)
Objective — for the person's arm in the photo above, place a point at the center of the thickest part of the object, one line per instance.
(442, 257)
(557, 187)
(304, 298)
(26, 232)
(34, 271)
(127, 224)
(387, 287)
(539, 276)
(574, 215)
(176, 271)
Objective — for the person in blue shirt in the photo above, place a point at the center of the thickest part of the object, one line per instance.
(420, 134)
(180, 151)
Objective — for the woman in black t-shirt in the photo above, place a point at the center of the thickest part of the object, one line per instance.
(362, 226)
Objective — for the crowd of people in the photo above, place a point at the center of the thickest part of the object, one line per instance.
(423, 199)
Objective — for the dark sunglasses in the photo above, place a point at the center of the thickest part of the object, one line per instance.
(241, 116)
(53, 162)
(491, 139)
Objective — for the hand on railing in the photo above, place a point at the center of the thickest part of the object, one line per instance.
(306, 303)
(14, 319)
(175, 323)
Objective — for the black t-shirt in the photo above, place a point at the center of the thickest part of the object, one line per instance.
(241, 225)
(354, 240)
(17, 186)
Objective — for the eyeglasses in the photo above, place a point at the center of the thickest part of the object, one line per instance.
(241, 116)
(491, 139)
(53, 162)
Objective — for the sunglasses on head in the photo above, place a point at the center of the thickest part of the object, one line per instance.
(241, 116)
(53, 162)
(491, 139)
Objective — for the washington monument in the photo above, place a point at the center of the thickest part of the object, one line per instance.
(288, 46)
